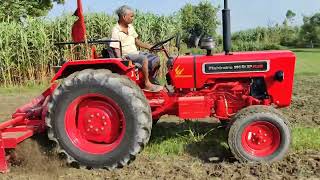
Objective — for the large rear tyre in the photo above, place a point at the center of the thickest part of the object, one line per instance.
(99, 119)
(259, 134)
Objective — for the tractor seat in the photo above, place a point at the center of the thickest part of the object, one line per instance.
(108, 52)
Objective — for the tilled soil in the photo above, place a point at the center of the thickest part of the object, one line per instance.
(302, 165)
(34, 161)
(305, 107)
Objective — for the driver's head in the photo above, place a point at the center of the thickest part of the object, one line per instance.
(125, 14)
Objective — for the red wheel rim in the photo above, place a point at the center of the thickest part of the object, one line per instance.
(261, 138)
(95, 123)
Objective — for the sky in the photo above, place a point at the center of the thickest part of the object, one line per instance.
(244, 13)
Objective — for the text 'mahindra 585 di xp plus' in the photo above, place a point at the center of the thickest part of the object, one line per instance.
(99, 116)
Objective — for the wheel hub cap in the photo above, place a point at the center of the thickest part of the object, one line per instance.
(261, 138)
(95, 123)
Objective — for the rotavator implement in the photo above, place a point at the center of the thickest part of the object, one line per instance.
(99, 116)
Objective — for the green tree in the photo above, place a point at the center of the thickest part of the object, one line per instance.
(15, 9)
(290, 15)
(310, 30)
(199, 19)
(289, 33)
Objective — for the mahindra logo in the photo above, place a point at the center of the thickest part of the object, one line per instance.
(179, 73)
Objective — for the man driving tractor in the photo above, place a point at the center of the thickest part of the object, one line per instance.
(124, 32)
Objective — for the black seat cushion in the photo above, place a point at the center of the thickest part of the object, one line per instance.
(108, 53)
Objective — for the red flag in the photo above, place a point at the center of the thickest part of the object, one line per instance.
(79, 27)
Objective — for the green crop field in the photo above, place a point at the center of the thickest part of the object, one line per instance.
(308, 61)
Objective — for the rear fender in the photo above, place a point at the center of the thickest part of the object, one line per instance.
(116, 65)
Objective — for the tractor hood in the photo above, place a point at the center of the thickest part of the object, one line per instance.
(196, 71)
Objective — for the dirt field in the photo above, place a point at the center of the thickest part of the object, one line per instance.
(37, 164)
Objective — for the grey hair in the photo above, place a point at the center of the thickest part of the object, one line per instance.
(122, 11)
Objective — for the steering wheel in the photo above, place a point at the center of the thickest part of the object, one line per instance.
(158, 46)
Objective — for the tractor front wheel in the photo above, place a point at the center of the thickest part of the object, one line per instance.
(259, 134)
(99, 119)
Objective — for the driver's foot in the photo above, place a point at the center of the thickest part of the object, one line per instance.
(153, 88)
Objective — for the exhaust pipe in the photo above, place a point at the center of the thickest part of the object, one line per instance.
(226, 28)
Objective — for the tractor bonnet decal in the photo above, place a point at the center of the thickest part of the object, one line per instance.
(179, 73)
(236, 67)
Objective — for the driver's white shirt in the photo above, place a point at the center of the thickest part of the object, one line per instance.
(128, 41)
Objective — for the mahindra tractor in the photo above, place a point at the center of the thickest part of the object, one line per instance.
(99, 116)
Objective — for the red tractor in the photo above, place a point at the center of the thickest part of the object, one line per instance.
(99, 116)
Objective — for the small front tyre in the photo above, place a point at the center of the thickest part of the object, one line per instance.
(259, 134)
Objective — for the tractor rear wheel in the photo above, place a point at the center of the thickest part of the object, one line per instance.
(99, 119)
(259, 134)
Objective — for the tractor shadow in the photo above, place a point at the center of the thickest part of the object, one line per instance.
(204, 140)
